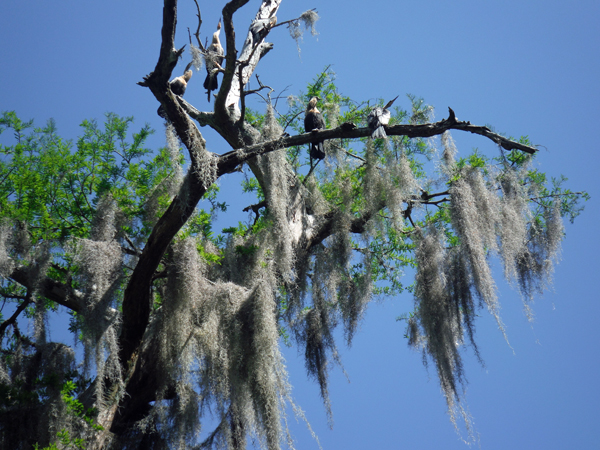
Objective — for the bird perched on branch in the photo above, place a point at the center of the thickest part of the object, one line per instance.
(379, 117)
(261, 27)
(313, 121)
(178, 86)
(214, 58)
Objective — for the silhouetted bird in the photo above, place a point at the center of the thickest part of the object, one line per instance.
(214, 58)
(178, 86)
(379, 117)
(313, 120)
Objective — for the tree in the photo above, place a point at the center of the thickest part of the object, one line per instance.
(175, 320)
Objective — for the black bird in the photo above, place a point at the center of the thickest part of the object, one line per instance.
(178, 87)
(313, 121)
(379, 117)
(214, 58)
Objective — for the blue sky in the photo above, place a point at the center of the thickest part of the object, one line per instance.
(525, 67)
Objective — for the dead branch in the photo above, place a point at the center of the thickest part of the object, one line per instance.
(230, 160)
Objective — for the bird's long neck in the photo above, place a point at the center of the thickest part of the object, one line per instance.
(215, 39)
(312, 106)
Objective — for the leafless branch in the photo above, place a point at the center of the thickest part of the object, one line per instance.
(256, 209)
(12, 319)
(310, 172)
(261, 87)
(230, 160)
(53, 290)
(556, 195)
(230, 54)
(242, 94)
(241, 66)
(296, 20)
(197, 33)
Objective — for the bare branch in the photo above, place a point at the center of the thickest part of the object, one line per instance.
(256, 207)
(12, 319)
(232, 159)
(261, 87)
(168, 56)
(297, 19)
(132, 249)
(242, 96)
(203, 118)
(53, 290)
(251, 53)
(197, 33)
(230, 54)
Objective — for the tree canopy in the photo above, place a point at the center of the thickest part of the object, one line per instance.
(178, 321)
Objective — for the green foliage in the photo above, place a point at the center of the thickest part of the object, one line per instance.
(76, 407)
(50, 188)
(474, 160)
(53, 188)
(66, 442)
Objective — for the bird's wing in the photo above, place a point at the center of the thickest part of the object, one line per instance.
(319, 120)
(385, 117)
(178, 86)
(313, 120)
(307, 122)
(374, 117)
(258, 25)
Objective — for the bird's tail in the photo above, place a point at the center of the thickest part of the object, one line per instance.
(317, 150)
(379, 132)
(211, 83)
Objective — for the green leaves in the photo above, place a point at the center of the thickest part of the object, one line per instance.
(53, 187)
(50, 189)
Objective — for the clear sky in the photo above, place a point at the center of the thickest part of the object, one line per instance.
(525, 67)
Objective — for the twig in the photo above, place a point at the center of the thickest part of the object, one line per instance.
(13, 318)
(556, 195)
(312, 168)
(242, 95)
(136, 251)
(292, 20)
(256, 210)
(197, 33)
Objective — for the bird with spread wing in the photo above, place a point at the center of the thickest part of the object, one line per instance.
(378, 118)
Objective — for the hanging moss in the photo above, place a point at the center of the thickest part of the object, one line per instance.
(100, 269)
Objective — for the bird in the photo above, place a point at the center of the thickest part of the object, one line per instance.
(313, 121)
(377, 118)
(261, 27)
(178, 86)
(214, 58)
